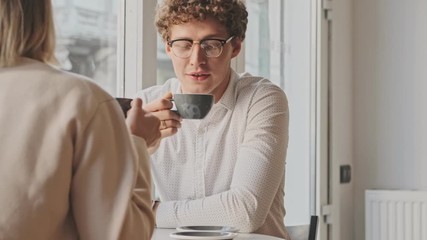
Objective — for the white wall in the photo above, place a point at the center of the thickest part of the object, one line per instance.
(341, 119)
(390, 89)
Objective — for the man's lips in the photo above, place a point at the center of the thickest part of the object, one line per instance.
(198, 75)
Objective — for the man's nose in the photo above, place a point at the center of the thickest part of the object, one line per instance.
(198, 56)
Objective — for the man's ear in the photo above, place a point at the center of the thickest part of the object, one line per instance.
(168, 49)
(237, 46)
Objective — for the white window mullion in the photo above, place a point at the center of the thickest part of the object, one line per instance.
(121, 49)
(140, 46)
(148, 35)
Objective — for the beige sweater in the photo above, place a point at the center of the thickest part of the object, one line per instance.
(68, 167)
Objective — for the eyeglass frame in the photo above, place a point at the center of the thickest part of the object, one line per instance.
(221, 41)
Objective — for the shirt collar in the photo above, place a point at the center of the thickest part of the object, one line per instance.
(228, 99)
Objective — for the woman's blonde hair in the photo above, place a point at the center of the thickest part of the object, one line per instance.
(230, 13)
(26, 30)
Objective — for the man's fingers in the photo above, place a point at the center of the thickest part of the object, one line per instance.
(163, 103)
(158, 105)
(137, 102)
(168, 95)
(168, 132)
(167, 115)
(169, 124)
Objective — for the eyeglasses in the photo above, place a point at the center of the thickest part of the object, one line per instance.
(183, 48)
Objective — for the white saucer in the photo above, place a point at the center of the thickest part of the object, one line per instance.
(207, 229)
(203, 235)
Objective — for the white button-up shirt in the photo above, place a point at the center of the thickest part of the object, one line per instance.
(228, 168)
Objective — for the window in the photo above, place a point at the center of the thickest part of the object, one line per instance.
(164, 63)
(87, 39)
(278, 47)
(115, 42)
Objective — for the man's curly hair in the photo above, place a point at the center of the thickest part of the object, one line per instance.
(231, 13)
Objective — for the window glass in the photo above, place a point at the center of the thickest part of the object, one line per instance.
(277, 47)
(257, 60)
(164, 63)
(87, 39)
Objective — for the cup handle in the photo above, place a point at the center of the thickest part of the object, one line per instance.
(173, 109)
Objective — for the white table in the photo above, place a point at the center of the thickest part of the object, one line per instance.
(163, 234)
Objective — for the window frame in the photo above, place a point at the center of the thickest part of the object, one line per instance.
(316, 175)
(136, 71)
(136, 65)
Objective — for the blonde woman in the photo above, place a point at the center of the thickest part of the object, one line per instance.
(68, 159)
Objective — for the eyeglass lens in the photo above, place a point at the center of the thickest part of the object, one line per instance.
(210, 47)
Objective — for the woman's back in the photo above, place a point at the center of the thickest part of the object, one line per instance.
(60, 140)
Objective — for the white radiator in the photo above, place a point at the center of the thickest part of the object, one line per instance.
(396, 215)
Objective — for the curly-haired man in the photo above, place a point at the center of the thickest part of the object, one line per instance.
(228, 168)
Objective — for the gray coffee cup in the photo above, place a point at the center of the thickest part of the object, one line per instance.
(193, 106)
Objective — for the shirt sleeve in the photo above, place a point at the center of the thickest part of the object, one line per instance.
(111, 186)
(258, 173)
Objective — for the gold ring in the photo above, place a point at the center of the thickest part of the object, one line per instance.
(164, 124)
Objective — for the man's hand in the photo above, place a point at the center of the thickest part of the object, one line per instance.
(143, 124)
(169, 120)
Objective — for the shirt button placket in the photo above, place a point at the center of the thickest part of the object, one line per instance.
(199, 162)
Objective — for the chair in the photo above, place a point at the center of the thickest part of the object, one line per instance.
(304, 232)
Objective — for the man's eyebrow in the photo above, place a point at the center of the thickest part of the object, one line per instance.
(189, 39)
(210, 36)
